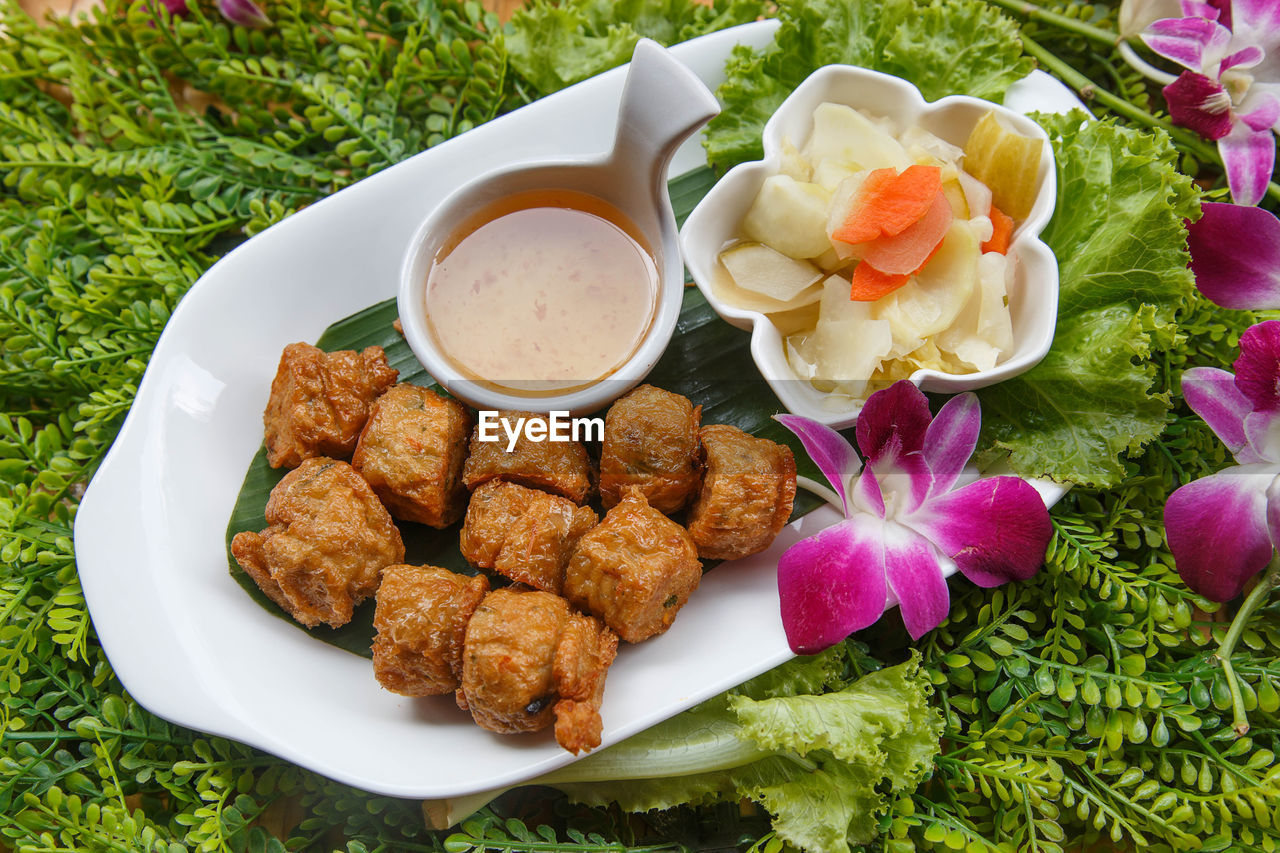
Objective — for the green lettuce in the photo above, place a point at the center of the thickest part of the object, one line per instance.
(944, 47)
(1122, 255)
(823, 764)
(552, 45)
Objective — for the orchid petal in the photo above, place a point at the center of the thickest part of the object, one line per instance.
(1200, 104)
(176, 7)
(1273, 512)
(867, 495)
(1246, 57)
(1224, 12)
(1212, 394)
(1263, 112)
(1136, 15)
(1186, 41)
(950, 439)
(1216, 528)
(891, 433)
(1196, 9)
(1249, 157)
(1258, 366)
(828, 449)
(832, 584)
(996, 529)
(1255, 16)
(893, 421)
(1262, 431)
(909, 477)
(244, 13)
(914, 570)
(1235, 255)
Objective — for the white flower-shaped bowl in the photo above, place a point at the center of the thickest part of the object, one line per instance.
(716, 221)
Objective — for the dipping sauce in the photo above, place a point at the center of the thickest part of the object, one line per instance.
(542, 292)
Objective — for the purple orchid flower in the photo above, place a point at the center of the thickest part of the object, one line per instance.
(243, 13)
(909, 523)
(1220, 527)
(1230, 92)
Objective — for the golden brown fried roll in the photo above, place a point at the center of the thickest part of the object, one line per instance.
(524, 534)
(562, 467)
(651, 441)
(328, 540)
(634, 570)
(747, 490)
(528, 659)
(320, 401)
(412, 450)
(421, 618)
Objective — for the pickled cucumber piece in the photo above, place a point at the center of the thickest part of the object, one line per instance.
(842, 134)
(848, 343)
(792, 163)
(790, 216)
(829, 173)
(932, 300)
(1006, 161)
(762, 270)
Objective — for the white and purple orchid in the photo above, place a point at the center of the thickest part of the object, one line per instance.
(1230, 92)
(912, 517)
(1220, 528)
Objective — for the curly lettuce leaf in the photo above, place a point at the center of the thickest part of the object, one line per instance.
(944, 47)
(823, 765)
(800, 675)
(887, 705)
(1122, 254)
(552, 45)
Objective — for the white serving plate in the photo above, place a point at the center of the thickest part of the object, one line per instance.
(186, 640)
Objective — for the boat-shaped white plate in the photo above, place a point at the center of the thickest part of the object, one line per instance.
(186, 640)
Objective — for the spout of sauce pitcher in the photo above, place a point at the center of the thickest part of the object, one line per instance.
(663, 102)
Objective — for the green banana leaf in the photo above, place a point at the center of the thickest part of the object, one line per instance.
(708, 361)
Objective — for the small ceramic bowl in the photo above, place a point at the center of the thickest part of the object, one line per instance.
(716, 221)
(663, 103)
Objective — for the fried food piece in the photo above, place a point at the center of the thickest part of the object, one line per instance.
(562, 467)
(651, 441)
(528, 659)
(411, 452)
(320, 401)
(634, 570)
(524, 534)
(421, 618)
(746, 496)
(329, 539)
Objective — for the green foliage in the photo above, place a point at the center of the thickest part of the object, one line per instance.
(944, 47)
(133, 151)
(554, 44)
(1085, 705)
(821, 763)
(1121, 246)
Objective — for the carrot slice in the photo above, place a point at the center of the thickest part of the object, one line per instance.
(905, 252)
(889, 203)
(869, 284)
(857, 226)
(1001, 232)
